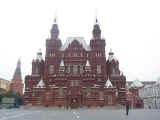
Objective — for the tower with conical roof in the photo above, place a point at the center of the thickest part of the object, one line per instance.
(17, 82)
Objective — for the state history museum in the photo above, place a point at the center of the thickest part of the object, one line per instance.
(75, 74)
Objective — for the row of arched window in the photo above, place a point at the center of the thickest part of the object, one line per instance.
(76, 54)
(72, 69)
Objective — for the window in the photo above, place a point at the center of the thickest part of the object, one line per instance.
(101, 95)
(75, 54)
(68, 69)
(60, 91)
(62, 54)
(87, 54)
(36, 70)
(81, 54)
(113, 71)
(74, 83)
(109, 99)
(3, 86)
(98, 69)
(75, 69)
(50, 79)
(51, 54)
(88, 91)
(51, 69)
(81, 69)
(98, 54)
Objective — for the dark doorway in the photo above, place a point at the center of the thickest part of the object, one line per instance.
(74, 103)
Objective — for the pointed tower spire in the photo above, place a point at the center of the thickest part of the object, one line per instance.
(55, 20)
(96, 29)
(55, 17)
(54, 30)
(17, 73)
(96, 18)
(96, 21)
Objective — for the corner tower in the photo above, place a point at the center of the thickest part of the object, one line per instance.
(53, 42)
(97, 42)
(97, 45)
(17, 82)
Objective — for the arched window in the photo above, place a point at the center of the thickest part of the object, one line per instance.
(36, 70)
(51, 69)
(75, 69)
(101, 97)
(113, 71)
(68, 69)
(88, 91)
(81, 69)
(98, 69)
(109, 99)
(60, 91)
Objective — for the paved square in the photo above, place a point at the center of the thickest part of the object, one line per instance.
(78, 114)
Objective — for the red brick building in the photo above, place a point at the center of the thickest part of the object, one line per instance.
(132, 94)
(75, 74)
(17, 82)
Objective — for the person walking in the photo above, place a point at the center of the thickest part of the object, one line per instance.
(127, 107)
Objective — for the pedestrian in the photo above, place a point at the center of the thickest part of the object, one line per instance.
(127, 107)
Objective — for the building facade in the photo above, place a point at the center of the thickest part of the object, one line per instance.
(17, 82)
(4, 85)
(75, 74)
(151, 96)
(132, 93)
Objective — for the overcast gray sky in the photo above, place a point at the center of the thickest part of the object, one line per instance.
(131, 29)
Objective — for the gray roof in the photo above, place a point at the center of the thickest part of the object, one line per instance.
(143, 82)
(17, 73)
(4, 79)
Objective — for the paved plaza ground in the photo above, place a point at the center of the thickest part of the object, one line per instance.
(78, 114)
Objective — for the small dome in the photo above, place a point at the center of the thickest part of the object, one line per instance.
(111, 56)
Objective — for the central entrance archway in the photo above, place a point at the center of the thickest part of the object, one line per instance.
(75, 103)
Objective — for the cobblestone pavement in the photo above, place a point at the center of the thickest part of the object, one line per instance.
(78, 114)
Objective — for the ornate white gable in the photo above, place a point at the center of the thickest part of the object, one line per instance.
(40, 84)
(62, 63)
(87, 63)
(108, 84)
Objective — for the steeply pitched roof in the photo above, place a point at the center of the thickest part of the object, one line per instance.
(17, 73)
(79, 39)
(136, 83)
